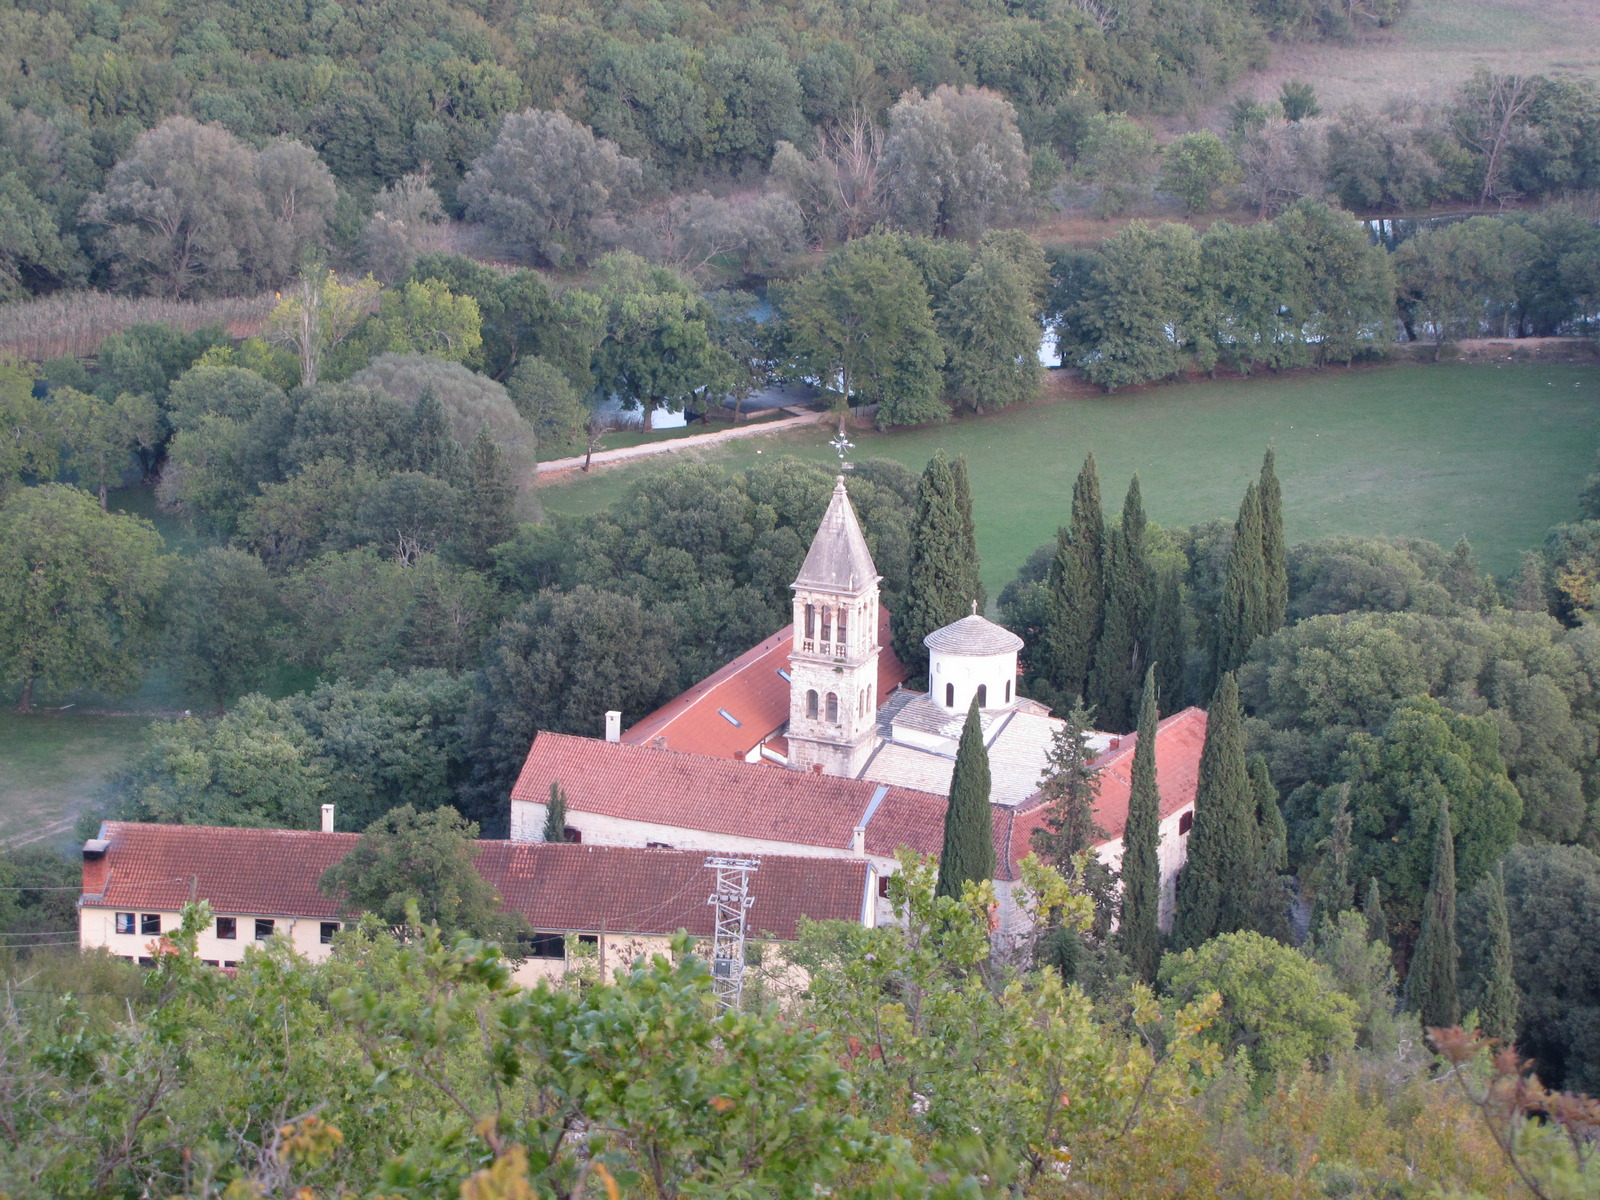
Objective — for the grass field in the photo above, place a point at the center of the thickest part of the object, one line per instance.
(52, 766)
(1495, 453)
(1438, 43)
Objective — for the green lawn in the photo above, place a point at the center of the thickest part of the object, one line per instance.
(52, 765)
(1493, 452)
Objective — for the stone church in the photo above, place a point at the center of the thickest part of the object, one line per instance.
(810, 744)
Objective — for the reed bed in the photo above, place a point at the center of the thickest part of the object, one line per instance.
(75, 323)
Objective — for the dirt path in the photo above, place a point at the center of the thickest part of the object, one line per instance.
(604, 457)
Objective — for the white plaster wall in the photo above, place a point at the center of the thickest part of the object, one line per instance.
(994, 671)
(97, 928)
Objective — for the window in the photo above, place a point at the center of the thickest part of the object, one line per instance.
(210, 962)
(841, 625)
(883, 887)
(545, 945)
(571, 835)
(861, 703)
(1186, 822)
(588, 939)
(811, 621)
(658, 845)
(149, 923)
(729, 718)
(833, 707)
(229, 964)
(983, 695)
(147, 962)
(785, 676)
(1008, 691)
(827, 624)
(264, 928)
(124, 922)
(329, 928)
(228, 928)
(811, 710)
(949, 695)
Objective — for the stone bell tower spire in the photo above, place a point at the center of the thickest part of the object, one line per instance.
(833, 664)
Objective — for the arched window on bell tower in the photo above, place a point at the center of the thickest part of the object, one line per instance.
(811, 705)
(833, 707)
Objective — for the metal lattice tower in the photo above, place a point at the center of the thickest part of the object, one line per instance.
(732, 900)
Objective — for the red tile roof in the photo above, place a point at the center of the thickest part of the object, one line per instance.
(274, 872)
(1179, 740)
(589, 889)
(751, 690)
(255, 872)
(665, 787)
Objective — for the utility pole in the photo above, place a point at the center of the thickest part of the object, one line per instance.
(731, 900)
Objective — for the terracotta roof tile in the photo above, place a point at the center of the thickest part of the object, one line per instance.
(717, 796)
(750, 690)
(274, 872)
(587, 889)
(1179, 740)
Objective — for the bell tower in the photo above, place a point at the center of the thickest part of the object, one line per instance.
(833, 663)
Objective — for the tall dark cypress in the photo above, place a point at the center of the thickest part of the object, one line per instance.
(1168, 638)
(944, 561)
(488, 502)
(968, 832)
(1242, 611)
(1335, 889)
(1224, 846)
(431, 447)
(1077, 590)
(1141, 842)
(555, 814)
(1497, 1010)
(1431, 990)
(1274, 552)
(1121, 653)
(1377, 921)
(1271, 900)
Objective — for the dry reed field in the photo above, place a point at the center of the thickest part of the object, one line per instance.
(1438, 43)
(76, 323)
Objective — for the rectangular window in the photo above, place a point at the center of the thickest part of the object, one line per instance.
(827, 624)
(573, 836)
(228, 928)
(264, 928)
(546, 945)
(124, 922)
(329, 928)
(658, 845)
(210, 962)
(229, 964)
(841, 637)
(811, 620)
(883, 887)
(588, 939)
(147, 962)
(149, 923)
(1186, 822)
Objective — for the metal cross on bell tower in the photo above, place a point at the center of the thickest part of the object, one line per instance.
(842, 445)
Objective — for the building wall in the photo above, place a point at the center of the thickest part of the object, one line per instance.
(964, 672)
(97, 928)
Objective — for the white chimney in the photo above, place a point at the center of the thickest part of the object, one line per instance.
(613, 726)
(327, 818)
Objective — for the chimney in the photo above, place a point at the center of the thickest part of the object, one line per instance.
(96, 870)
(327, 818)
(613, 726)
(1116, 744)
(858, 840)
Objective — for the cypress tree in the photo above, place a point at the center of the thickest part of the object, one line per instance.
(1168, 639)
(488, 502)
(1271, 899)
(431, 447)
(1497, 1011)
(1377, 922)
(1431, 983)
(1224, 846)
(1120, 654)
(944, 560)
(968, 832)
(1335, 889)
(1274, 553)
(1077, 589)
(1141, 839)
(1242, 611)
(1461, 573)
(555, 815)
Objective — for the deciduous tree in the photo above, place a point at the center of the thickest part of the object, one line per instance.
(80, 593)
(956, 162)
